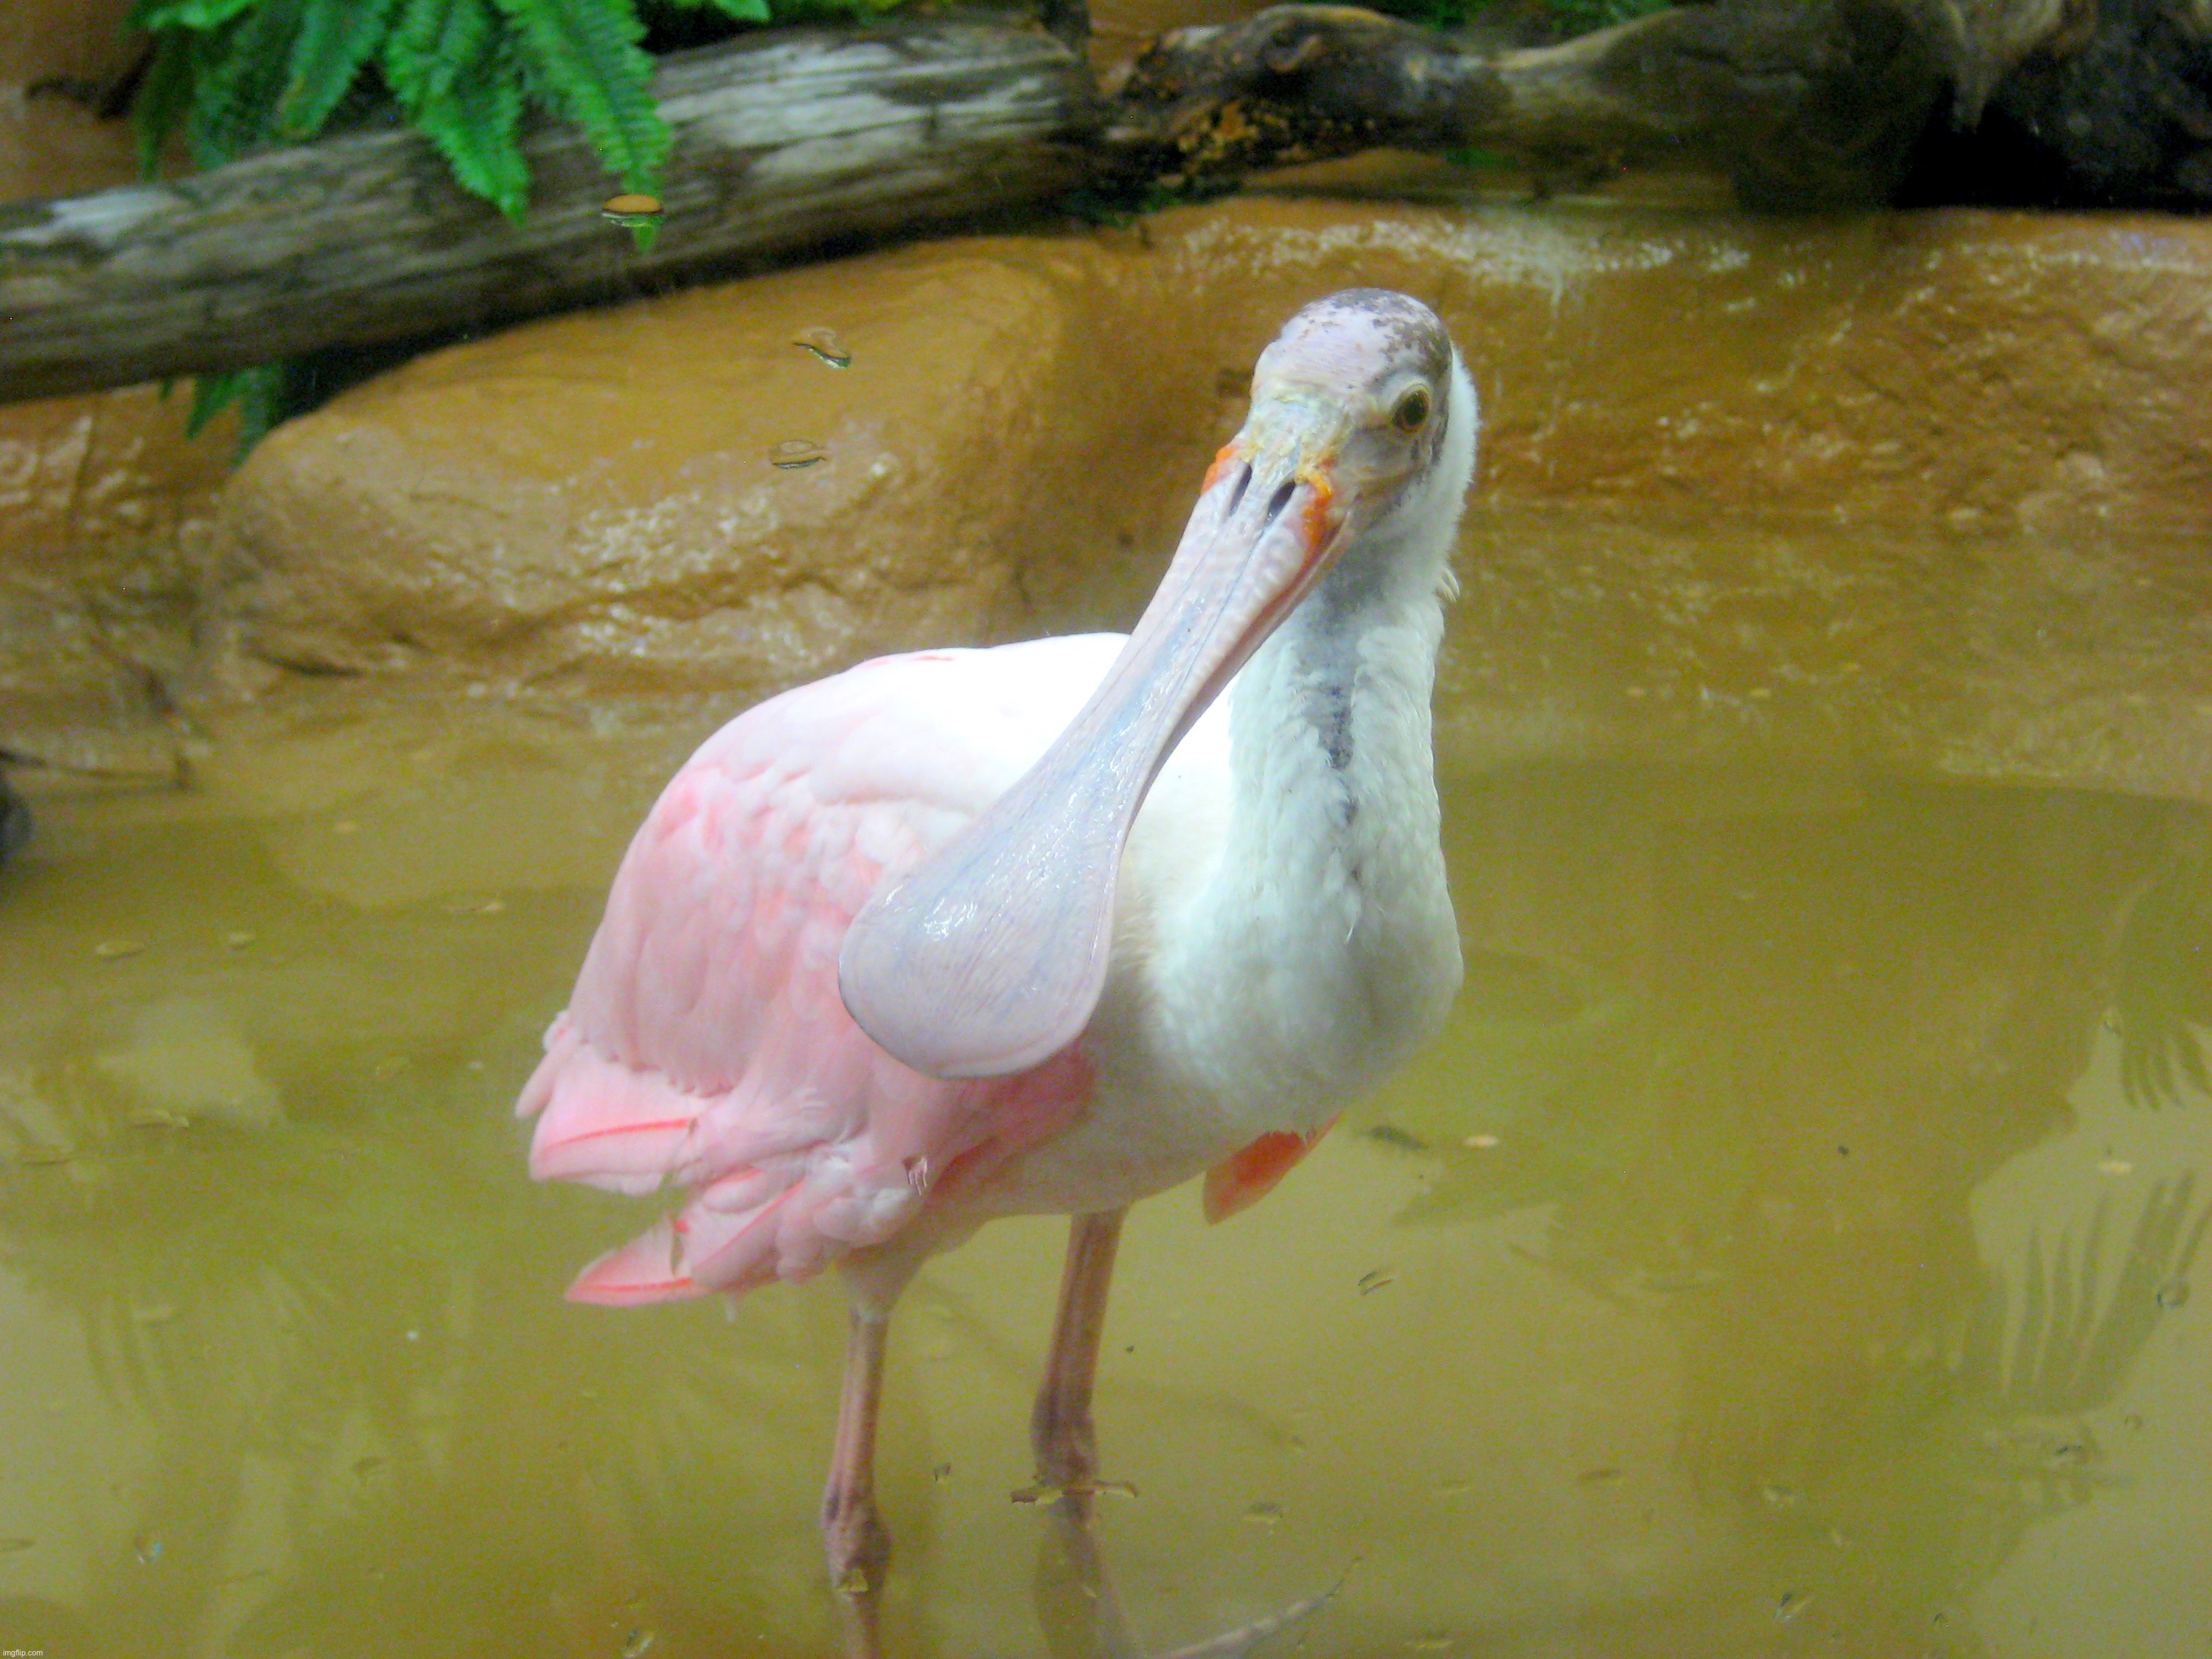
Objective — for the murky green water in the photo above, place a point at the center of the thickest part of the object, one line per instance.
(1790, 1249)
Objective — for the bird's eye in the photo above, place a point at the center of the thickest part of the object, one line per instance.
(1412, 413)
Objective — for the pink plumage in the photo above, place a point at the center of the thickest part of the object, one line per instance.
(854, 921)
(706, 1046)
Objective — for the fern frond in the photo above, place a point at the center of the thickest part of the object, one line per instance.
(472, 121)
(258, 393)
(432, 44)
(336, 38)
(154, 14)
(163, 97)
(582, 57)
(238, 72)
(741, 11)
(454, 75)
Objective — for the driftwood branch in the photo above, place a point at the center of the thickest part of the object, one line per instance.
(1807, 106)
(785, 143)
(793, 142)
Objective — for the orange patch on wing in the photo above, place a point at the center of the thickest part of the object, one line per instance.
(1250, 1173)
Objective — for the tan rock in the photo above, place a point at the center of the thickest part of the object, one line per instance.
(1926, 489)
(103, 503)
(97, 494)
(676, 490)
(1985, 369)
(52, 145)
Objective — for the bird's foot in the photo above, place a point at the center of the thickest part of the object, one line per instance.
(1067, 1448)
(857, 1545)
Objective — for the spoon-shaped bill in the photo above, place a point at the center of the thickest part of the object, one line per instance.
(991, 956)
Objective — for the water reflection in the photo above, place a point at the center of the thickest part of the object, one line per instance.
(1789, 1247)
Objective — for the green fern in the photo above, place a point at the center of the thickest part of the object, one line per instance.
(328, 51)
(241, 75)
(238, 72)
(259, 394)
(238, 76)
(453, 72)
(582, 58)
(187, 13)
(164, 96)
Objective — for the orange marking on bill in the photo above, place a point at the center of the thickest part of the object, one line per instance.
(1227, 456)
(1320, 523)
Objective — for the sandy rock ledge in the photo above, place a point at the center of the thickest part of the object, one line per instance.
(1926, 489)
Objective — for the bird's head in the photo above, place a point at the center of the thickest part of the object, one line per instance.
(1360, 440)
(1356, 451)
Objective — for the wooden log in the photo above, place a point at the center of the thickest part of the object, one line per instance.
(796, 141)
(785, 143)
(1805, 103)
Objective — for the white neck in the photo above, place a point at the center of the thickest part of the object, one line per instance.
(1323, 949)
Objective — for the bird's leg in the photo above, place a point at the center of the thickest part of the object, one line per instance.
(852, 1534)
(1075, 1603)
(1060, 1432)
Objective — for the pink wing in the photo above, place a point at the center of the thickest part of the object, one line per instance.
(706, 1045)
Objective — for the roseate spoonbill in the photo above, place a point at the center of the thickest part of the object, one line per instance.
(1092, 936)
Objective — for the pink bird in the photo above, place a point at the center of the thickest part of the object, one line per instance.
(1046, 928)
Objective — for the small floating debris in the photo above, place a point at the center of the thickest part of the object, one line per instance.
(632, 210)
(1790, 1604)
(1052, 1494)
(1266, 1512)
(237, 939)
(636, 1644)
(1390, 1136)
(636, 213)
(1374, 1279)
(157, 1117)
(147, 1550)
(794, 453)
(2173, 1294)
(1479, 1143)
(113, 950)
(825, 343)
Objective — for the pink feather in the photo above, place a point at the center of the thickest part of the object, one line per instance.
(706, 1046)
